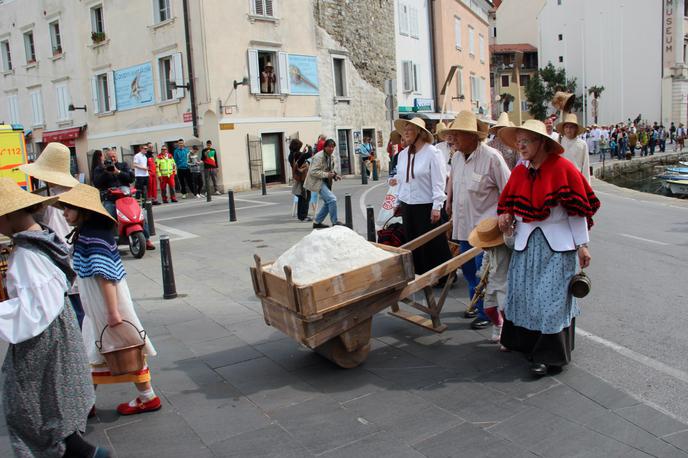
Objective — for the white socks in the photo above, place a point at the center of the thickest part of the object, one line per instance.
(144, 396)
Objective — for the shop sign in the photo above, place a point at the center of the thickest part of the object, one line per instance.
(420, 105)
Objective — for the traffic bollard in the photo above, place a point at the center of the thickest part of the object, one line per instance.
(206, 178)
(168, 286)
(375, 173)
(364, 173)
(263, 184)
(232, 208)
(370, 218)
(149, 216)
(349, 221)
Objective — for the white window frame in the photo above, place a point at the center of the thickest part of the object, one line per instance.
(407, 76)
(345, 83)
(474, 87)
(471, 40)
(157, 11)
(13, 108)
(94, 20)
(6, 55)
(37, 113)
(63, 100)
(176, 75)
(416, 72)
(457, 33)
(265, 5)
(404, 26)
(459, 82)
(481, 47)
(96, 93)
(55, 37)
(29, 47)
(280, 66)
(414, 26)
(482, 90)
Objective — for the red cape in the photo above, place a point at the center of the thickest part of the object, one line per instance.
(532, 193)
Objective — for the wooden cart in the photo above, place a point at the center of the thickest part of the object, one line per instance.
(334, 316)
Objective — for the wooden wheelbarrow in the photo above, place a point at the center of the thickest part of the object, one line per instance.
(334, 316)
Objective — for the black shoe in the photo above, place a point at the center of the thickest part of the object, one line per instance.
(470, 313)
(339, 223)
(538, 369)
(307, 219)
(553, 370)
(480, 323)
(155, 202)
(320, 226)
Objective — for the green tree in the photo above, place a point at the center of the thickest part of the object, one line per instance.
(542, 86)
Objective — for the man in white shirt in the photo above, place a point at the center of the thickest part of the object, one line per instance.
(595, 135)
(549, 124)
(478, 176)
(141, 171)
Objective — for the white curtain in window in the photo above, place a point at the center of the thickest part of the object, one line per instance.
(471, 40)
(413, 22)
(457, 32)
(37, 108)
(407, 75)
(403, 19)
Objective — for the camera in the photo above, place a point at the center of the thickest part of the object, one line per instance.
(109, 165)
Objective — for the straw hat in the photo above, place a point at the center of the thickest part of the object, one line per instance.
(570, 118)
(508, 135)
(85, 197)
(52, 166)
(502, 121)
(426, 135)
(486, 234)
(468, 123)
(13, 197)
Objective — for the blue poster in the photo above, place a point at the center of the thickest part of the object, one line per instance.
(134, 87)
(303, 75)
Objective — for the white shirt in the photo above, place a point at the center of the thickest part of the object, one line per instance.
(554, 136)
(141, 160)
(563, 232)
(595, 134)
(576, 151)
(37, 288)
(429, 177)
(445, 149)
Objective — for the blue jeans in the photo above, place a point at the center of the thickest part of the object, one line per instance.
(112, 209)
(330, 206)
(470, 270)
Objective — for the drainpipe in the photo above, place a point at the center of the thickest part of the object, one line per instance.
(433, 70)
(189, 66)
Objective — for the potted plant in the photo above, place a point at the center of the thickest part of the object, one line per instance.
(98, 37)
(57, 50)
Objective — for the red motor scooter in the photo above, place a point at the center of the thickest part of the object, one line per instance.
(129, 220)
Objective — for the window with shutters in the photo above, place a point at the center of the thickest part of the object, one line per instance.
(471, 41)
(459, 82)
(55, 38)
(409, 76)
(170, 76)
(37, 108)
(505, 80)
(474, 88)
(29, 48)
(416, 71)
(268, 72)
(265, 8)
(481, 47)
(403, 19)
(13, 105)
(339, 74)
(162, 10)
(63, 101)
(97, 22)
(524, 80)
(413, 23)
(103, 93)
(6, 56)
(457, 32)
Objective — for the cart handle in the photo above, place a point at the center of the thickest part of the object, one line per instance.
(425, 238)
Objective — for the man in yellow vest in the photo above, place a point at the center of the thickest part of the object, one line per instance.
(166, 170)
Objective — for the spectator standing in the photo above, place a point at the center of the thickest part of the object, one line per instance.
(166, 169)
(152, 176)
(662, 134)
(194, 162)
(672, 132)
(209, 158)
(365, 149)
(96, 161)
(319, 179)
(181, 157)
(141, 171)
(299, 170)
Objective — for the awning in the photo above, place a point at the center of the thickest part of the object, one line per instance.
(64, 136)
(430, 116)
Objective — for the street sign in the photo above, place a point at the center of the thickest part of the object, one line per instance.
(187, 117)
(390, 87)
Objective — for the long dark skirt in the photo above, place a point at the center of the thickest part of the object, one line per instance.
(550, 349)
(416, 223)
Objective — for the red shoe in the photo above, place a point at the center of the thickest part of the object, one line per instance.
(140, 407)
(149, 245)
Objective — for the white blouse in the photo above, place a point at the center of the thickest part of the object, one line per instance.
(37, 288)
(428, 180)
(563, 232)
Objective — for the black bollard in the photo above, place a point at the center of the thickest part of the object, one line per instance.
(375, 172)
(232, 208)
(149, 216)
(349, 221)
(168, 286)
(206, 178)
(263, 184)
(370, 218)
(364, 173)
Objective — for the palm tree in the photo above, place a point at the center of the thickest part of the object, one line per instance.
(506, 99)
(595, 92)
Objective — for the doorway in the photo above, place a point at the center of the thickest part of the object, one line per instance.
(273, 158)
(344, 146)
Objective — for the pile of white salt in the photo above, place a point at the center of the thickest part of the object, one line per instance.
(327, 252)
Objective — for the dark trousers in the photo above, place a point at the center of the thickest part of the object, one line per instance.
(416, 223)
(197, 183)
(302, 205)
(141, 184)
(185, 180)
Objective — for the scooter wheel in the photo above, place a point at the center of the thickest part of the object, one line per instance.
(137, 244)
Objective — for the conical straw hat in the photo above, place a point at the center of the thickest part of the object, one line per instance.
(467, 122)
(85, 197)
(508, 135)
(13, 197)
(52, 166)
(570, 118)
(425, 134)
(502, 121)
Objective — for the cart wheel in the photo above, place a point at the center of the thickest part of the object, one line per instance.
(335, 351)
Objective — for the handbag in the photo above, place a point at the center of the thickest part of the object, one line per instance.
(391, 234)
(580, 285)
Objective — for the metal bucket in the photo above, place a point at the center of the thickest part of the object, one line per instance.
(127, 359)
(580, 285)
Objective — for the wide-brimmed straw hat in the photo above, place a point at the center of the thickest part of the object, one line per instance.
(502, 121)
(85, 197)
(13, 197)
(52, 166)
(508, 135)
(467, 122)
(486, 234)
(399, 125)
(570, 118)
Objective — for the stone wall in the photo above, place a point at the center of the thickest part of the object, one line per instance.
(642, 165)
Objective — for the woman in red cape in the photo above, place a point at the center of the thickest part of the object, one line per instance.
(548, 206)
